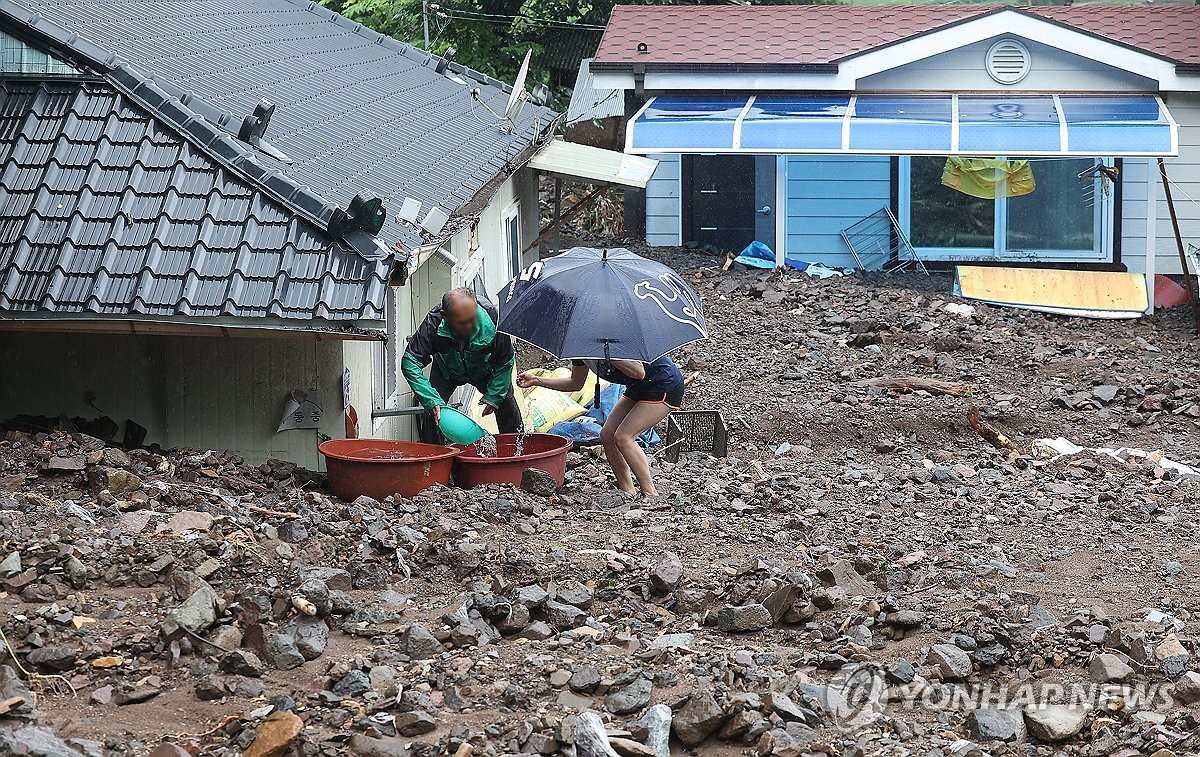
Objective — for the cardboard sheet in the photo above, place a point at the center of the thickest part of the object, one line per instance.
(1088, 294)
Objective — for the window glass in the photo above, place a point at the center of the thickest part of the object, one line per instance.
(944, 217)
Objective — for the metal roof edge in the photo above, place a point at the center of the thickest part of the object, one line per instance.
(183, 325)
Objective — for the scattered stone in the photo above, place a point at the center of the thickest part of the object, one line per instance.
(952, 663)
(539, 482)
(996, 724)
(666, 574)
(1054, 722)
(281, 652)
(275, 735)
(697, 719)
(744, 618)
(630, 698)
(1108, 668)
(415, 723)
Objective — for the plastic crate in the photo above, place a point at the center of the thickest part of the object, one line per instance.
(696, 431)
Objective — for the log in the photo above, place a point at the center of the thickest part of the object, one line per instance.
(990, 433)
(917, 383)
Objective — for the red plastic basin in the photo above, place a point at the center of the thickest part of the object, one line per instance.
(545, 452)
(380, 468)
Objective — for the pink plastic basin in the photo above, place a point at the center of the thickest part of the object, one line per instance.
(380, 468)
(546, 452)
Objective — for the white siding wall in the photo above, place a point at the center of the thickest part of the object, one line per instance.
(663, 209)
(1184, 172)
(827, 193)
(964, 70)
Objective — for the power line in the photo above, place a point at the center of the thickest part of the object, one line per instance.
(519, 17)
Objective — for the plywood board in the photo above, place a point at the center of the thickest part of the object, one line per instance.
(1090, 294)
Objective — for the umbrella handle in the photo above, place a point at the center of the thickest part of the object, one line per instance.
(596, 400)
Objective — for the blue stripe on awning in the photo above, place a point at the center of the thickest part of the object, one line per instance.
(944, 124)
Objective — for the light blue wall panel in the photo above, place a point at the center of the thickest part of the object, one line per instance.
(827, 193)
(663, 207)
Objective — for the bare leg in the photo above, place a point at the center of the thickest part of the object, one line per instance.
(612, 452)
(644, 415)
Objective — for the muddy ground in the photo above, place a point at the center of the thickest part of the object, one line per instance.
(864, 573)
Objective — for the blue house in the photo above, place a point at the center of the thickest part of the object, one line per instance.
(788, 124)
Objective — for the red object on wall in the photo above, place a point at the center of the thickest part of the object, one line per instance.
(351, 422)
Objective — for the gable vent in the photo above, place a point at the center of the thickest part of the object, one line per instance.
(1008, 61)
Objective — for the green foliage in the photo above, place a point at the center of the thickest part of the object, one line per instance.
(488, 35)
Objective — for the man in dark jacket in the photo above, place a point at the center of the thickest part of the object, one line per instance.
(461, 341)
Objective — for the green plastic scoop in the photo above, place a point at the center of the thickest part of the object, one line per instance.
(459, 428)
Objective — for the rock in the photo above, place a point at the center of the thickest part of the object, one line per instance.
(666, 574)
(901, 671)
(743, 618)
(952, 663)
(52, 659)
(415, 723)
(309, 634)
(210, 688)
(169, 750)
(101, 695)
(365, 746)
(629, 747)
(536, 631)
(419, 644)
(292, 532)
(115, 480)
(315, 591)
(136, 696)
(197, 613)
(35, 742)
(352, 684)
(1106, 393)
(532, 596)
(335, 579)
(539, 482)
(793, 740)
(630, 698)
(589, 737)
(275, 735)
(996, 724)
(12, 686)
(1186, 689)
(281, 652)
(584, 680)
(575, 594)
(11, 565)
(1108, 668)
(740, 724)
(243, 662)
(675, 641)
(842, 574)
(906, 619)
(658, 729)
(187, 520)
(697, 719)
(563, 617)
(1054, 722)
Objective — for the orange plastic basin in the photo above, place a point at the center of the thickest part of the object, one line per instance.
(380, 468)
(543, 451)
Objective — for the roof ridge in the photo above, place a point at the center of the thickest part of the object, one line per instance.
(191, 116)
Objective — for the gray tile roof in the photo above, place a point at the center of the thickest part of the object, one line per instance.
(105, 210)
(130, 193)
(355, 109)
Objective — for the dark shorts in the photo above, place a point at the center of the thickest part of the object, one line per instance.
(672, 398)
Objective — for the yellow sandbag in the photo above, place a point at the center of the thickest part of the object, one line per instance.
(548, 407)
(488, 422)
(585, 395)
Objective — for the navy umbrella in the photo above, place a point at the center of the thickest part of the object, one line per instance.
(602, 304)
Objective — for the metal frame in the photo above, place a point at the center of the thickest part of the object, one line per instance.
(878, 242)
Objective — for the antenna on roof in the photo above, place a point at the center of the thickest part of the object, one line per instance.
(518, 96)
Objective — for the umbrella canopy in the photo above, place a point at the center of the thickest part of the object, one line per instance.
(602, 304)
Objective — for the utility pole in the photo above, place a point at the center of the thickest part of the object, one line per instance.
(425, 20)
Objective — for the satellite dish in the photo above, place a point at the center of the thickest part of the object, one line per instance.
(518, 96)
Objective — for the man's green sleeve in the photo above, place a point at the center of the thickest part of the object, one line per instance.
(414, 373)
(500, 383)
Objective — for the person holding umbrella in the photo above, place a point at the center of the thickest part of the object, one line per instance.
(620, 315)
(652, 391)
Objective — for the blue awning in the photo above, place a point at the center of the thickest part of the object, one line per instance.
(948, 124)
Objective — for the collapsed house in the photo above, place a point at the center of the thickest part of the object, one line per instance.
(799, 126)
(224, 226)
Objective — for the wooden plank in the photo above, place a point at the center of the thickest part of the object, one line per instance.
(1096, 294)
